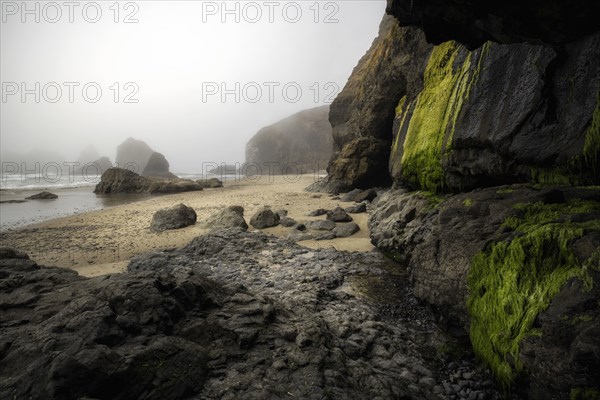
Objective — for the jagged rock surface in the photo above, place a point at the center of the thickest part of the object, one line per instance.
(232, 315)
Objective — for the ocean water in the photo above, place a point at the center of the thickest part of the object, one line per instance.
(75, 195)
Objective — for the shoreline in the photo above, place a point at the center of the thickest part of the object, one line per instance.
(102, 241)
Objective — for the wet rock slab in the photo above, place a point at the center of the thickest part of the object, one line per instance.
(231, 315)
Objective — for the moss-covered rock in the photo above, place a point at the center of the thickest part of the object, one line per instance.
(489, 117)
(516, 266)
(512, 281)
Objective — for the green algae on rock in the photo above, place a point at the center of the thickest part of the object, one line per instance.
(511, 282)
(429, 130)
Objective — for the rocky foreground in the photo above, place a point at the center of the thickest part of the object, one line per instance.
(231, 315)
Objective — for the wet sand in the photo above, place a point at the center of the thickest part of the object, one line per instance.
(103, 241)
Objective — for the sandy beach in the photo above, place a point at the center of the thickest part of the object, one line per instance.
(103, 241)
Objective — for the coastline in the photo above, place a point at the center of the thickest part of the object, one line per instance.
(102, 241)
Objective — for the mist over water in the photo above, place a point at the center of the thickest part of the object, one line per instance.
(195, 80)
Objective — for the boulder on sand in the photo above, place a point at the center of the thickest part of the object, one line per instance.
(321, 225)
(175, 217)
(346, 230)
(338, 215)
(357, 209)
(230, 217)
(42, 196)
(264, 218)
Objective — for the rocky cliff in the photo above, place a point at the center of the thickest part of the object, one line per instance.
(297, 144)
(459, 98)
(137, 156)
(449, 119)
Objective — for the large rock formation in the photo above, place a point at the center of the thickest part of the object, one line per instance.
(118, 180)
(450, 119)
(137, 156)
(158, 166)
(507, 264)
(362, 114)
(297, 144)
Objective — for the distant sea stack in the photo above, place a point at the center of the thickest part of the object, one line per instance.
(136, 154)
(300, 143)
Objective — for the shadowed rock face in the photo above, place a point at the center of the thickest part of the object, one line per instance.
(136, 155)
(362, 114)
(554, 22)
(300, 143)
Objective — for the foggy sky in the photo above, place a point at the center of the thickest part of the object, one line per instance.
(176, 54)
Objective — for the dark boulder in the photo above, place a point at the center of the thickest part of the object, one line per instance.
(42, 196)
(346, 230)
(326, 235)
(357, 209)
(118, 180)
(264, 218)
(350, 195)
(317, 213)
(324, 225)
(287, 222)
(176, 217)
(229, 217)
(338, 215)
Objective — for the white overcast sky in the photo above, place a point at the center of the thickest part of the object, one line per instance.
(176, 54)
